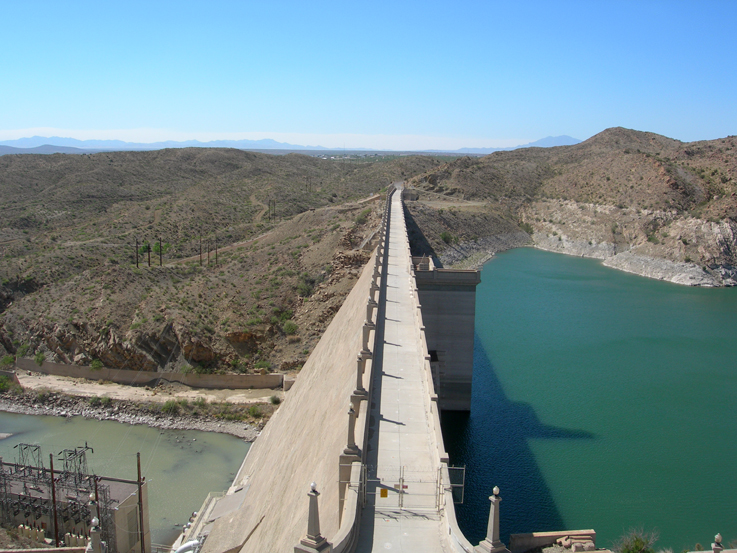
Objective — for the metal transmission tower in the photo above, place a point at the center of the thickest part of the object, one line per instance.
(75, 464)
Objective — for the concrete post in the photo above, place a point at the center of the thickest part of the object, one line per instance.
(368, 326)
(360, 392)
(313, 542)
(374, 288)
(351, 448)
(492, 544)
(370, 306)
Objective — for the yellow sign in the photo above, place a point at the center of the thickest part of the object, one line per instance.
(384, 492)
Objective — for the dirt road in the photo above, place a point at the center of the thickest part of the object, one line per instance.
(160, 394)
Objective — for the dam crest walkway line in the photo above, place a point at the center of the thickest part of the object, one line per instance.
(403, 478)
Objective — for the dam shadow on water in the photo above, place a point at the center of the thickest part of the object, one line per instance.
(491, 441)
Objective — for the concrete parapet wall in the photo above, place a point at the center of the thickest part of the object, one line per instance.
(519, 543)
(141, 378)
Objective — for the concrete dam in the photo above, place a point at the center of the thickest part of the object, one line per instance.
(354, 458)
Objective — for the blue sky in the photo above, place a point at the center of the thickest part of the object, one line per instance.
(399, 75)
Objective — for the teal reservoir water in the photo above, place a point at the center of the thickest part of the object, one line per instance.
(600, 400)
(180, 466)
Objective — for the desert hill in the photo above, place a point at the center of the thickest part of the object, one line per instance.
(291, 232)
(643, 202)
(288, 232)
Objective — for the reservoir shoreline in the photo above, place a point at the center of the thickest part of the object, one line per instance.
(123, 412)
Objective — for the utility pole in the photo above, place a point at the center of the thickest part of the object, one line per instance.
(140, 503)
(53, 501)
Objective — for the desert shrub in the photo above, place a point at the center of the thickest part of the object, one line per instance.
(275, 400)
(306, 285)
(363, 216)
(263, 364)
(4, 384)
(7, 360)
(254, 411)
(22, 350)
(39, 358)
(290, 328)
(94, 401)
(171, 407)
(200, 369)
(106, 401)
(96, 365)
(446, 237)
(636, 541)
(527, 227)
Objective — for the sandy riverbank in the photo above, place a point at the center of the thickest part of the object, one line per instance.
(69, 397)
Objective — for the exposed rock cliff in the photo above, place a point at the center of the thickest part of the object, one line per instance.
(658, 244)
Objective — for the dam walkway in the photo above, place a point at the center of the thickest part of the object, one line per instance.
(403, 480)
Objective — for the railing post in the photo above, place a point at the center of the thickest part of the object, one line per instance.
(370, 306)
(374, 288)
(368, 326)
(313, 542)
(360, 392)
(351, 448)
(492, 544)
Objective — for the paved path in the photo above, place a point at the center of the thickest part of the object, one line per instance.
(400, 432)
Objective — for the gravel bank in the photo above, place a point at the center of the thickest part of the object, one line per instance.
(122, 411)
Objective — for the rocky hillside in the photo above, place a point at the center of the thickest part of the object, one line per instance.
(268, 283)
(642, 202)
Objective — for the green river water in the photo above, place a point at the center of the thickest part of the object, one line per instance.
(181, 466)
(601, 400)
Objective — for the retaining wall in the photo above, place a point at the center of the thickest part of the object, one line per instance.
(10, 375)
(142, 378)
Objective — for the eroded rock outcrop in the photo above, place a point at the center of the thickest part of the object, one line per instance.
(666, 245)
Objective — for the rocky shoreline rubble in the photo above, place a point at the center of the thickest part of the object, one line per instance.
(473, 254)
(122, 411)
(688, 274)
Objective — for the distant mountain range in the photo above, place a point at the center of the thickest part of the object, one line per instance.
(547, 142)
(60, 145)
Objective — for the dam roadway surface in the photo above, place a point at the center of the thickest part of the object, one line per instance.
(402, 456)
